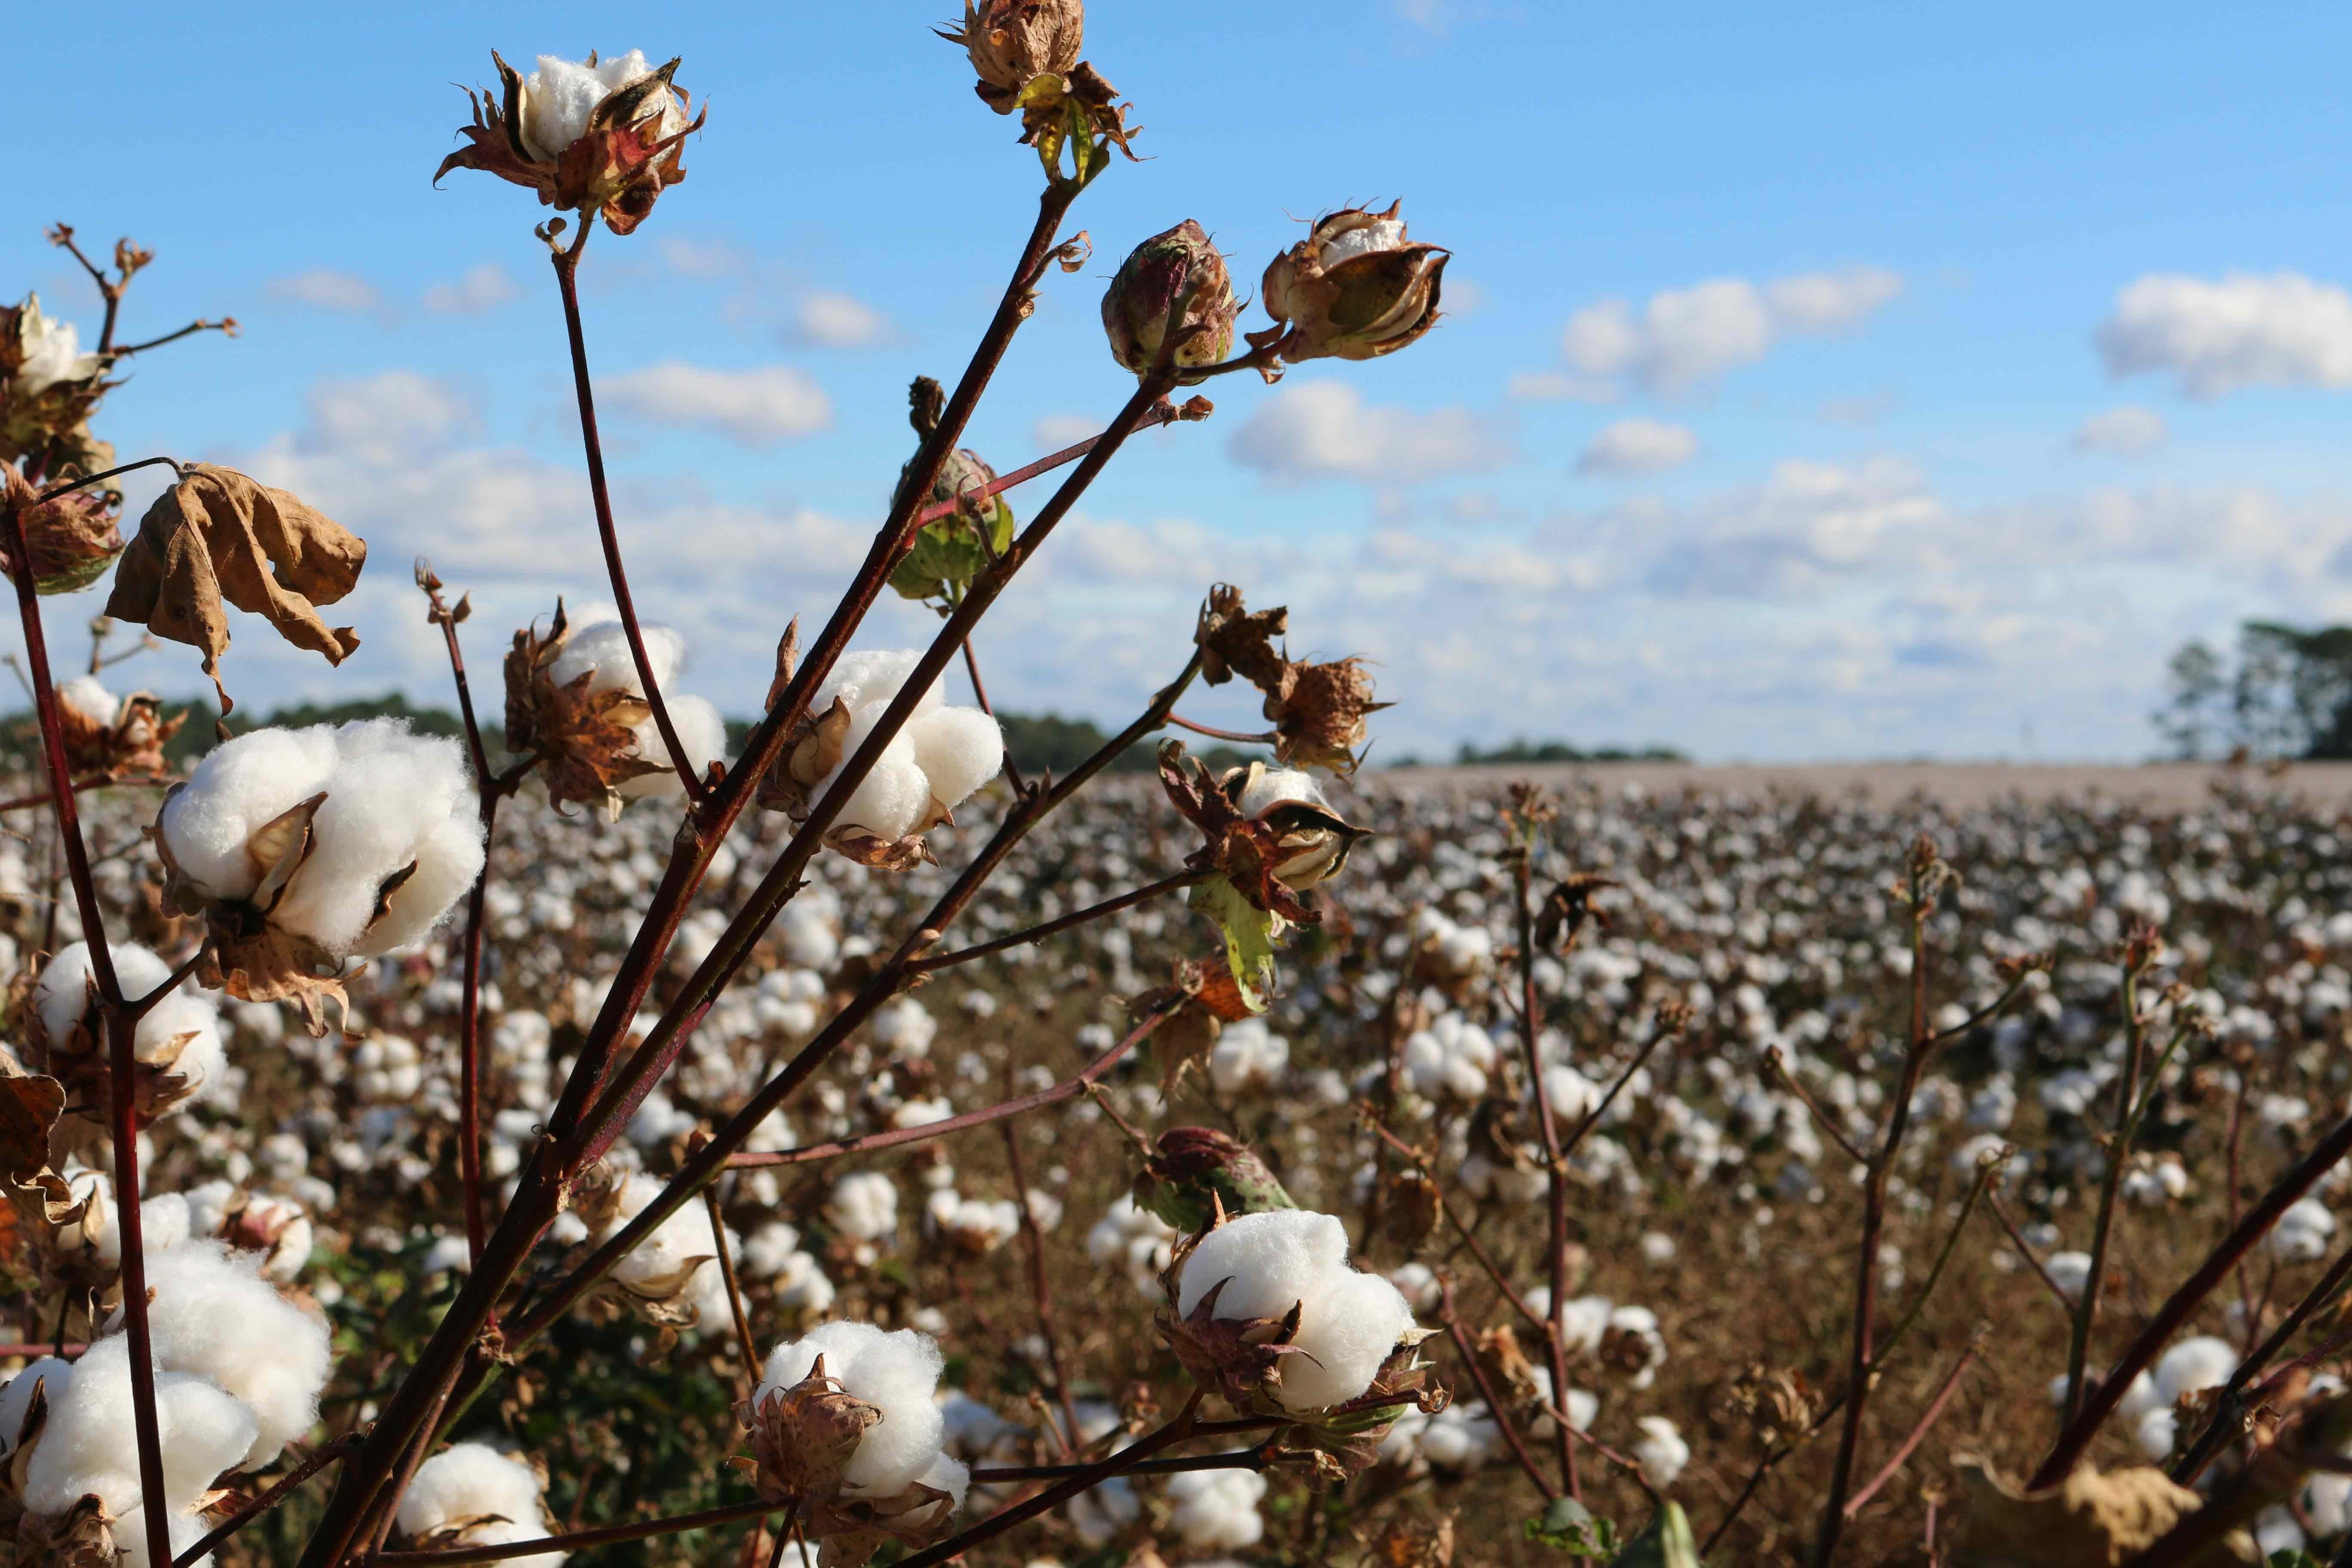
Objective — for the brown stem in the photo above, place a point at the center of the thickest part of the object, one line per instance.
(897, 1137)
(2226, 1404)
(1494, 1406)
(2086, 1313)
(2184, 1301)
(1600, 1108)
(1041, 1289)
(121, 1027)
(110, 289)
(1776, 1068)
(2016, 1239)
(1555, 1159)
(1045, 464)
(567, 270)
(326, 1454)
(1862, 1361)
(606, 1535)
(1079, 918)
(734, 1292)
(1233, 1459)
(1241, 737)
(226, 324)
(72, 485)
(1086, 1479)
(1519, 1303)
(1902, 1451)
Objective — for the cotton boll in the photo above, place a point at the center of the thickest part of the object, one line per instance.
(1661, 1453)
(1216, 1508)
(950, 1476)
(88, 696)
(702, 734)
(467, 1481)
(865, 1205)
(959, 750)
(2194, 1365)
(212, 1315)
(50, 1374)
(2070, 1271)
(599, 649)
(1346, 1333)
(897, 1374)
(395, 799)
(891, 798)
(1273, 787)
(560, 99)
(2155, 1431)
(1418, 1286)
(62, 997)
(87, 1445)
(870, 676)
(1269, 1262)
(238, 786)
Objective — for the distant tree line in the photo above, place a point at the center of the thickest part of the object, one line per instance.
(2288, 693)
(1519, 753)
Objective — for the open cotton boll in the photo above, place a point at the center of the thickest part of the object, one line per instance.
(469, 1480)
(895, 796)
(599, 649)
(872, 676)
(1216, 1508)
(865, 1205)
(1346, 1333)
(236, 789)
(87, 1445)
(2070, 1271)
(88, 696)
(61, 996)
(897, 1374)
(395, 799)
(560, 97)
(214, 1316)
(1348, 1322)
(959, 750)
(51, 1374)
(1661, 1453)
(948, 1475)
(1275, 786)
(700, 731)
(2193, 1365)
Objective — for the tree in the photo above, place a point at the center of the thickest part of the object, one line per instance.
(2289, 694)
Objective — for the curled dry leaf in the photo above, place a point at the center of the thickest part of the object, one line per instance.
(220, 538)
(2087, 1519)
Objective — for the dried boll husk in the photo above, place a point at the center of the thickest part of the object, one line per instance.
(613, 161)
(1355, 288)
(71, 539)
(1174, 289)
(1012, 42)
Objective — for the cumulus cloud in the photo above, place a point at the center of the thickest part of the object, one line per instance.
(324, 288)
(1054, 431)
(2222, 335)
(1632, 448)
(1808, 526)
(381, 419)
(838, 321)
(758, 407)
(698, 258)
(1558, 386)
(1683, 338)
(483, 288)
(2126, 432)
(1324, 430)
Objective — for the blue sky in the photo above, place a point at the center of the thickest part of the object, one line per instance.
(1854, 381)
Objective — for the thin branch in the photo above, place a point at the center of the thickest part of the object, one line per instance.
(567, 270)
(1600, 1108)
(1776, 1067)
(1232, 1459)
(1494, 1406)
(2085, 1314)
(734, 1292)
(143, 1006)
(54, 491)
(326, 1454)
(225, 324)
(1040, 932)
(1241, 737)
(1041, 1289)
(2227, 1404)
(1045, 464)
(607, 1535)
(1904, 1451)
(2017, 1239)
(1554, 1156)
(81, 786)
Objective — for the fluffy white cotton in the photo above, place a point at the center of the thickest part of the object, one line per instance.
(1278, 786)
(559, 98)
(2194, 1365)
(51, 349)
(88, 696)
(865, 1205)
(1248, 1055)
(1216, 1508)
(678, 1243)
(2302, 1232)
(62, 994)
(1348, 1321)
(470, 1480)
(1134, 1239)
(897, 1374)
(88, 1445)
(1661, 1453)
(930, 766)
(904, 1028)
(393, 799)
(1451, 1058)
(212, 1315)
(2069, 1271)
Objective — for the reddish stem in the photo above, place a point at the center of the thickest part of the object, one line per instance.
(1951, 1385)
(1241, 737)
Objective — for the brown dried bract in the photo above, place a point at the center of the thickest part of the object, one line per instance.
(1244, 852)
(1319, 712)
(1233, 641)
(219, 535)
(619, 169)
(132, 744)
(585, 743)
(1569, 906)
(802, 1439)
(1012, 41)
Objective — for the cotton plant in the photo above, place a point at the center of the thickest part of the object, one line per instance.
(307, 848)
(177, 1047)
(1450, 1059)
(1266, 1310)
(1135, 1241)
(470, 1494)
(845, 1421)
(932, 764)
(671, 1278)
(1214, 1509)
(975, 1226)
(577, 705)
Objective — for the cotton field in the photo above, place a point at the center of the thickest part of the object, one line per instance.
(1718, 1036)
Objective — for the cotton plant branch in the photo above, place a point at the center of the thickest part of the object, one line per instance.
(1168, 884)
(326, 1454)
(84, 785)
(2230, 1402)
(1452, 1322)
(1041, 1289)
(582, 1540)
(121, 1025)
(1903, 1450)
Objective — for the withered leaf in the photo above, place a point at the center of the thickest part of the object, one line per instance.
(1235, 642)
(221, 535)
(29, 1109)
(2086, 1519)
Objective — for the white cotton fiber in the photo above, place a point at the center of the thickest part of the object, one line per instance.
(1348, 1321)
(1216, 1508)
(950, 1476)
(472, 1481)
(237, 788)
(1273, 787)
(88, 696)
(89, 1445)
(700, 731)
(897, 1374)
(599, 649)
(214, 1316)
(865, 1205)
(52, 1376)
(870, 676)
(2192, 1365)
(656, 1261)
(894, 795)
(959, 750)
(561, 96)
(62, 994)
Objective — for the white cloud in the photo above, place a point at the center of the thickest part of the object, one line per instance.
(384, 417)
(1557, 386)
(1809, 526)
(483, 288)
(757, 407)
(324, 288)
(1631, 448)
(1324, 430)
(2284, 330)
(698, 258)
(2128, 431)
(838, 321)
(1056, 431)
(1683, 338)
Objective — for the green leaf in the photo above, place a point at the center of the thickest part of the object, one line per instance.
(1666, 1541)
(1249, 938)
(1568, 1526)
